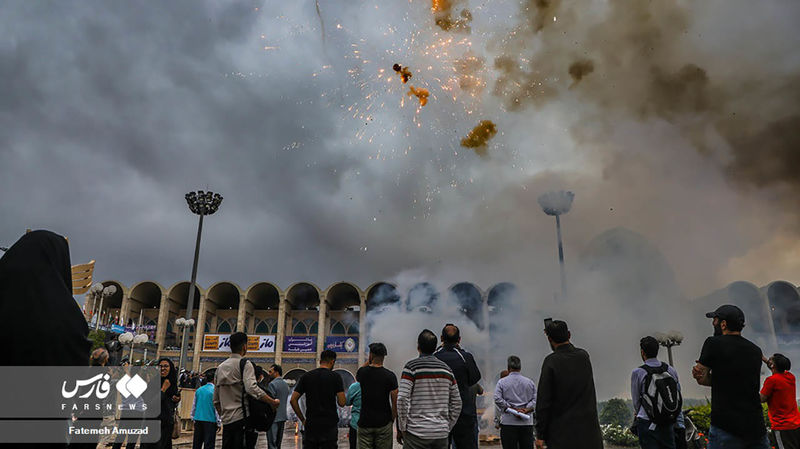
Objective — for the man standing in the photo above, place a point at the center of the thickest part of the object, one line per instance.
(323, 389)
(428, 400)
(566, 406)
(229, 384)
(278, 389)
(781, 397)
(378, 401)
(731, 365)
(655, 430)
(354, 401)
(515, 397)
(467, 374)
(205, 417)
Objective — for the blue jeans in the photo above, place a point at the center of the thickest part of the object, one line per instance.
(662, 437)
(720, 439)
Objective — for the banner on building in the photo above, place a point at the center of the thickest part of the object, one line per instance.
(300, 344)
(222, 343)
(342, 344)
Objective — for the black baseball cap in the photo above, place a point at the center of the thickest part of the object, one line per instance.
(727, 312)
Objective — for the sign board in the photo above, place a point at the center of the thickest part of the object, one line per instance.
(116, 328)
(222, 343)
(342, 344)
(300, 344)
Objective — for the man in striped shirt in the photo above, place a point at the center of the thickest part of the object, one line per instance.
(428, 401)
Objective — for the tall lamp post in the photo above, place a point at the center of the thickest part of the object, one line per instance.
(201, 203)
(556, 204)
(668, 340)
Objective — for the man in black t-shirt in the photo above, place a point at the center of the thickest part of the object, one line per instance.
(323, 390)
(378, 387)
(731, 365)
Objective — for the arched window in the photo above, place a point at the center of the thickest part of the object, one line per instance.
(337, 328)
(224, 327)
(206, 328)
(169, 327)
(353, 329)
(299, 328)
(274, 328)
(262, 327)
(313, 328)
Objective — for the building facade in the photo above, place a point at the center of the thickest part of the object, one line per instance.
(289, 326)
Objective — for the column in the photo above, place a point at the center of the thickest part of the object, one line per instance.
(124, 309)
(161, 324)
(241, 315)
(362, 328)
(200, 332)
(322, 326)
(281, 331)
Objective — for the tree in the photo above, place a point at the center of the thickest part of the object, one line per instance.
(616, 412)
(98, 339)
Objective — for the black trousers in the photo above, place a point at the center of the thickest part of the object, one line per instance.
(250, 438)
(233, 435)
(353, 438)
(463, 434)
(330, 444)
(516, 437)
(205, 434)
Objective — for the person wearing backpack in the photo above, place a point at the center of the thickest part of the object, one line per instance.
(235, 380)
(656, 394)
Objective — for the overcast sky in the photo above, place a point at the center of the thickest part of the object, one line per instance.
(111, 111)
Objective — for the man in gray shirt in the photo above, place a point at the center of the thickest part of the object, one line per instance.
(278, 389)
(515, 397)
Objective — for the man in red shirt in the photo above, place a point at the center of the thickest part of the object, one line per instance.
(780, 395)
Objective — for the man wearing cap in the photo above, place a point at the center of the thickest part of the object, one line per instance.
(731, 365)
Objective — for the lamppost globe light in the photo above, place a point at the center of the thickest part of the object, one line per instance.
(190, 322)
(110, 290)
(125, 338)
(97, 288)
(140, 339)
(556, 202)
(180, 321)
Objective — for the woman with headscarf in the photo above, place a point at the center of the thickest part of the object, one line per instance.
(169, 394)
(36, 289)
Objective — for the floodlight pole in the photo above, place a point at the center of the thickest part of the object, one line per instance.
(201, 203)
(190, 301)
(561, 258)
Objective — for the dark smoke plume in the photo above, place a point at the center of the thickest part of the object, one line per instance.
(579, 69)
(644, 68)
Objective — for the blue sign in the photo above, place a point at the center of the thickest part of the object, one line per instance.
(342, 344)
(116, 328)
(300, 344)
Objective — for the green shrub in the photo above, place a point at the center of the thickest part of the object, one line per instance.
(700, 416)
(98, 339)
(616, 412)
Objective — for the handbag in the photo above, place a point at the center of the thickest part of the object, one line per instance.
(176, 425)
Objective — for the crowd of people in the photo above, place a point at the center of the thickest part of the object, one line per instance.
(433, 403)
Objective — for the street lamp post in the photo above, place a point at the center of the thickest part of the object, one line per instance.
(128, 338)
(101, 292)
(556, 204)
(201, 203)
(668, 340)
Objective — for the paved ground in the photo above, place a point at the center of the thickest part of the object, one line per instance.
(290, 441)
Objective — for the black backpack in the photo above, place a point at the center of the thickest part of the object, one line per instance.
(258, 415)
(661, 399)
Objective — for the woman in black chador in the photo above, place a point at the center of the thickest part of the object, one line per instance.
(169, 394)
(42, 323)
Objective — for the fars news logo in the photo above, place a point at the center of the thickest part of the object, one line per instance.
(100, 387)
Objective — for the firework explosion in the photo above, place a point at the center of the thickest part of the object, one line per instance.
(421, 94)
(479, 137)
